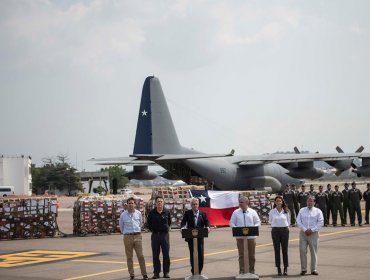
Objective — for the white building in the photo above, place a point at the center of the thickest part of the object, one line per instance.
(16, 171)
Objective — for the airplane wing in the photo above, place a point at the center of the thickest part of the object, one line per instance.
(296, 158)
(170, 157)
(122, 161)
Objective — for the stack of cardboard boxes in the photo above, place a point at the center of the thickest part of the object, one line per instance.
(34, 217)
(100, 214)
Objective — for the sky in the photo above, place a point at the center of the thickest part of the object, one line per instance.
(255, 76)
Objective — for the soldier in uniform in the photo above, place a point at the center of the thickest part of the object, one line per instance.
(302, 197)
(312, 192)
(296, 204)
(322, 203)
(355, 197)
(336, 202)
(345, 202)
(366, 197)
(288, 196)
(330, 207)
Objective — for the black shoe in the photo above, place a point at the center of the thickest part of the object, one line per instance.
(132, 277)
(145, 277)
(366, 223)
(303, 272)
(166, 275)
(360, 225)
(352, 225)
(334, 225)
(279, 271)
(155, 276)
(343, 225)
(285, 271)
(314, 273)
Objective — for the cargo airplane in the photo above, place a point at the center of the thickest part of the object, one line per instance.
(157, 143)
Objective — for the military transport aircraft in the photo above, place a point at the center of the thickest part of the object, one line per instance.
(156, 142)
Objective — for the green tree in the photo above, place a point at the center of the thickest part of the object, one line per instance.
(53, 175)
(116, 173)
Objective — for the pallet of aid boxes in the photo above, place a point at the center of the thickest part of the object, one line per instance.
(177, 200)
(259, 201)
(100, 214)
(25, 217)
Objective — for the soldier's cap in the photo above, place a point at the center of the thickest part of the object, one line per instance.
(293, 185)
(353, 183)
(368, 184)
(346, 184)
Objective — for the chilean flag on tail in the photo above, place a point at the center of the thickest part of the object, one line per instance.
(219, 205)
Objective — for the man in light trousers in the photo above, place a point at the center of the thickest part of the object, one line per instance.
(309, 220)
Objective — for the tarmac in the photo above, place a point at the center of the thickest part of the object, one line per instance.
(344, 253)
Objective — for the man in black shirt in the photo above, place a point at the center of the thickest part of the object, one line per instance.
(159, 222)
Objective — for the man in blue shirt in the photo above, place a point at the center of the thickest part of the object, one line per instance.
(130, 223)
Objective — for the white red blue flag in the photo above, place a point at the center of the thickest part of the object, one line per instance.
(219, 205)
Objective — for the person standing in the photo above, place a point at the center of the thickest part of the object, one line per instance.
(130, 223)
(245, 216)
(289, 199)
(279, 221)
(329, 208)
(194, 218)
(336, 202)
(366, 196)
(309, 220)
(346, 209)
(302, 197)
(312, 192)
(355, 197)
(159, 223)
(295, 201)
(321, 203)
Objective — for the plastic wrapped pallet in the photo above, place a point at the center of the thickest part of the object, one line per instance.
(259, 201)
(28, 217)
(100, 214)
(177, 201)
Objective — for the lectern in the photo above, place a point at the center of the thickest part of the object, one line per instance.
(195, 233)
(244, 232)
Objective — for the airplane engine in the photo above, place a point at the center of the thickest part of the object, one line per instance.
(340, 165)
(362, 171)
(306, 172)
(170, 176)
(141, 172)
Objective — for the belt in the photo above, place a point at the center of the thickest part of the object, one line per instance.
(132, 233)
(160, 232)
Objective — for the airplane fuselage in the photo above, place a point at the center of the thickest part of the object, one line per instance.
(225, 175)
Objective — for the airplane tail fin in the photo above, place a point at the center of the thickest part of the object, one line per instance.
(155, 132)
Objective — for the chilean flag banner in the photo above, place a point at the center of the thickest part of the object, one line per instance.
(219, 205)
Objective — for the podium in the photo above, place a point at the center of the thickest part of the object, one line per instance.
(245, 232)
(195, 233)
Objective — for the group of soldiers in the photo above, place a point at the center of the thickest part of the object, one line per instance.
(330, 202)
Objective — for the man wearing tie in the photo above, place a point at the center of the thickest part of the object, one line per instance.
(195, 218)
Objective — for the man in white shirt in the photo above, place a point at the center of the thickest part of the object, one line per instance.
(245, 217)
(309, 220)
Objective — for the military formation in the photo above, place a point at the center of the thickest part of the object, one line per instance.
(332, 203)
